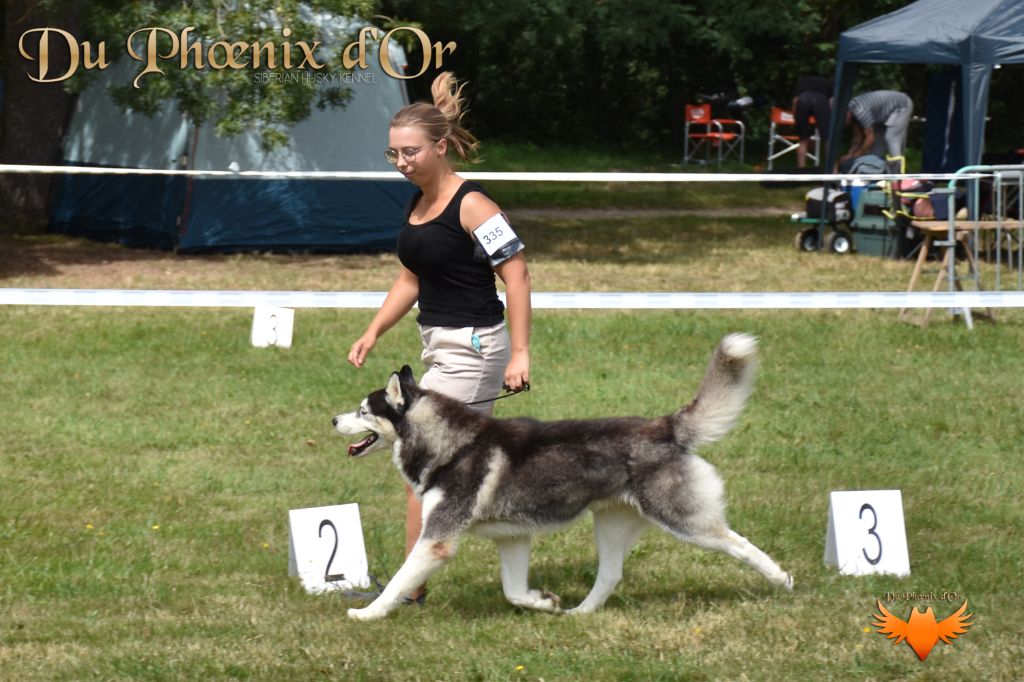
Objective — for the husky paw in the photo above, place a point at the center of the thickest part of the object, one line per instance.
(788, 582)
(538, 601)
(367, 613)
(546, 601)
(578, 611)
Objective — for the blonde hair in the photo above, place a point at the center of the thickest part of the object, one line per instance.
(441, 120)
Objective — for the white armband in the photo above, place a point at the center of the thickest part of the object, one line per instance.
(494, 234)
(498, 239)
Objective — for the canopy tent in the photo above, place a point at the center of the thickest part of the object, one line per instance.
(970, 36)
(236, 214)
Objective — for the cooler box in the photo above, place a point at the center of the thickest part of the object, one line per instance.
(873, 233)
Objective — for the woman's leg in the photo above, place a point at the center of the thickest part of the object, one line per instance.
(466, 370)
(413, 519)
(413, 528)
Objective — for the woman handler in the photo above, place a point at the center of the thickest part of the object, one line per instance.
(454, 239)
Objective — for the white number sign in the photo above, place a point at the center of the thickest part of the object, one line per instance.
(272, 326)
(866, 533)
(325, 548)
(494, 233)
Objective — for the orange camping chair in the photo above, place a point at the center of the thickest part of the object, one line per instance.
(701, 131)
(782, 118)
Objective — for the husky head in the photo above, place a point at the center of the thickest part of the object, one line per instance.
(379, 414)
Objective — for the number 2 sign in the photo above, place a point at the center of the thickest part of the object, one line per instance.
(866, 533)
(325, 548)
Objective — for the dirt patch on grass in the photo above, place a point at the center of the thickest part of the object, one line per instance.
(613, 213)
(59, 261)
(596, 249)
(53, 261)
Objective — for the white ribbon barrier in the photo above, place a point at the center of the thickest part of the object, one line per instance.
(484, 175)
(639, 300)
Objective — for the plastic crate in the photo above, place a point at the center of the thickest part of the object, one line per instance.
(873, 233)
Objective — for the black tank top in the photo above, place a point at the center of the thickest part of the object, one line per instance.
(456, 281)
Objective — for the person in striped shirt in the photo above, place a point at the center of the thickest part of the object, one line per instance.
(887, 111)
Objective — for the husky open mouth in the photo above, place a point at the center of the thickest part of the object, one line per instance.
(358, 448)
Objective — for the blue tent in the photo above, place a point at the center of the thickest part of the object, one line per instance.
(971, 36)
(236, 214)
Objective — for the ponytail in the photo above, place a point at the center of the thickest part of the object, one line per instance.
(441, 120)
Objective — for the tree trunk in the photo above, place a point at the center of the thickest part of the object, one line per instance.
(34, 115)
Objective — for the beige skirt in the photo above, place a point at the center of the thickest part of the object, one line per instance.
(466, 363)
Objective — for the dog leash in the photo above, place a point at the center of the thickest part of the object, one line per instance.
(526, 387)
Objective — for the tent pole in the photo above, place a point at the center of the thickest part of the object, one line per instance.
(187, 203)
(842, 89)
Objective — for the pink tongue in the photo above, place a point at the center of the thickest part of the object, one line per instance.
(355, 447)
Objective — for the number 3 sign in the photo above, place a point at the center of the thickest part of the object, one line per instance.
(325, 548)
(866, 533)
(272, 327)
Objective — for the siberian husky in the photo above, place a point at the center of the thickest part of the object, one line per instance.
(507, 479)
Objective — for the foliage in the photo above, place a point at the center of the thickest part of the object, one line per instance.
(615, 73)
(228, 97)
(559, 71)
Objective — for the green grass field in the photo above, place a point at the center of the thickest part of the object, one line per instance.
(150, 457)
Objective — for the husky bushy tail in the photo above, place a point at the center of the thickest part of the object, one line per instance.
(727, 384)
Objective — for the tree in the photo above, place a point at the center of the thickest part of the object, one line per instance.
(567, 71)
(33, 118)
(619, 73)
(35, 114)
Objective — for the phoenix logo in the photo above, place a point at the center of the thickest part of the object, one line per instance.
(922, 631)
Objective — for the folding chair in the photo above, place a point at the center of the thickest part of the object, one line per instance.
(725, 134)
(782, 118)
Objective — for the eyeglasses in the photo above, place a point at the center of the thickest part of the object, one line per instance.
(409, 153)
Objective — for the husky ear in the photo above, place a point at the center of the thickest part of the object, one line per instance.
(393, 392)
(406, 376)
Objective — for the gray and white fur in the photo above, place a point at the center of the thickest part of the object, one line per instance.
(507, 479)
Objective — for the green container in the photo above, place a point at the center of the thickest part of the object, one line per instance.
(877, 242)
(873, 233)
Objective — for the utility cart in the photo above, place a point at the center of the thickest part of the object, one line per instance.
(851, 219)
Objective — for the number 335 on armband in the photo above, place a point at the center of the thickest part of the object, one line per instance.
(498, 239)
